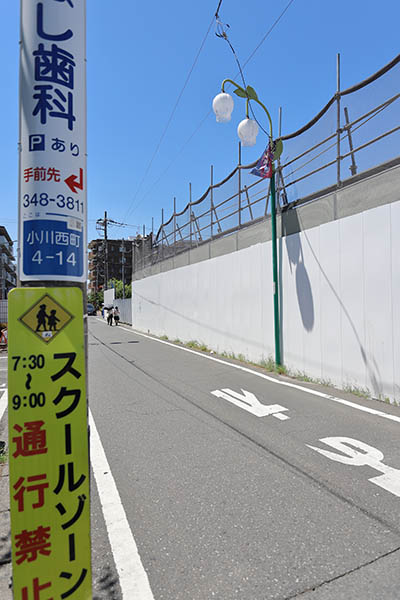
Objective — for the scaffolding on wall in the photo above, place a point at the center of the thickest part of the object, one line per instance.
(355, 131)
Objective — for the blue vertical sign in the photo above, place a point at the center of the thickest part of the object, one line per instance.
(52, 187)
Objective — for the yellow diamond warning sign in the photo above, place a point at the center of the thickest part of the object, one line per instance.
(46, 318)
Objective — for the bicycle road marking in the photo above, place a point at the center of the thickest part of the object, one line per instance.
(372, 411)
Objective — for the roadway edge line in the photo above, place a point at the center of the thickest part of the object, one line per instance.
(295, 386)
(3, 401)
(133, 578)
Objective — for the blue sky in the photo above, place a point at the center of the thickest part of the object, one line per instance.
(139, 56)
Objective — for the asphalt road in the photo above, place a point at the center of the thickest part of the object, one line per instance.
(223, 503)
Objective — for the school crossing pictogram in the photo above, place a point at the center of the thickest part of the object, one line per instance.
(46, 318)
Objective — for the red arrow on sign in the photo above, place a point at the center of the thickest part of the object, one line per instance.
(73, 183)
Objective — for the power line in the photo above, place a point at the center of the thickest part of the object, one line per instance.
(172, 162)
(267, 34)
(171, 115)
(222, 33)
(216, 16)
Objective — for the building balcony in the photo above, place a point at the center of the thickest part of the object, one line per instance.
(9, 267)
(7, 248)
(11, 278)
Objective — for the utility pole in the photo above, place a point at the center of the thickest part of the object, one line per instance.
(105, 252)
(47, 312)
(123, 268)
(101, 225)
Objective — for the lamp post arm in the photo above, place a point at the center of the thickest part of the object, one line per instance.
(238, 87)
(268, 115)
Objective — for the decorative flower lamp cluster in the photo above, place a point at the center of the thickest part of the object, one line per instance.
(248, 128)
(247, 132)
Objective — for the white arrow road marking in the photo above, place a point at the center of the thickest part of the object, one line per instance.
(249, 402)
(370, 456)
(371, 411)
(280, 416)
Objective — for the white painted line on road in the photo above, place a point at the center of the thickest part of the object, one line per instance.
(248, 401)
(132, 576)
(370, 456)
(281, 417)
(372, 411)
(3, 402)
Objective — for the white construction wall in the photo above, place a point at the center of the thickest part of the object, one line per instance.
(340, 302)
(125, 309)
(109, 296)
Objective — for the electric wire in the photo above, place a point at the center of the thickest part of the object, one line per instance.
(171, 116)
(267, 34)
(223, 35)
(240, 72)
(171, 163)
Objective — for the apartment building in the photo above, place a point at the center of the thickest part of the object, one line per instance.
(8, 274)
(109, 259)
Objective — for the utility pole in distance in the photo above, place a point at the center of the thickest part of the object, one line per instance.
(101, 225)
(105, 252)
(123, 268)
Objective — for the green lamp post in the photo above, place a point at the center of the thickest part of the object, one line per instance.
(247, 132)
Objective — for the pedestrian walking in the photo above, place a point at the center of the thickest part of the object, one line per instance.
(109, 316)
(116, 315)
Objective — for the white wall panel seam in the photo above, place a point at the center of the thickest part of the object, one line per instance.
(364, 307)
(392, 275)
(340, 296)
(321, 308)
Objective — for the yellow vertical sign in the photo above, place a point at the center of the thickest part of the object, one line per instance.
(48, 445)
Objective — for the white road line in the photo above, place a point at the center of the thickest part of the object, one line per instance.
(371, 411)
(132, 576)
(3, 402)
(281, 417)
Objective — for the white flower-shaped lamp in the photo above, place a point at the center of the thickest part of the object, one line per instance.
(223, 107)
(247, 131)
